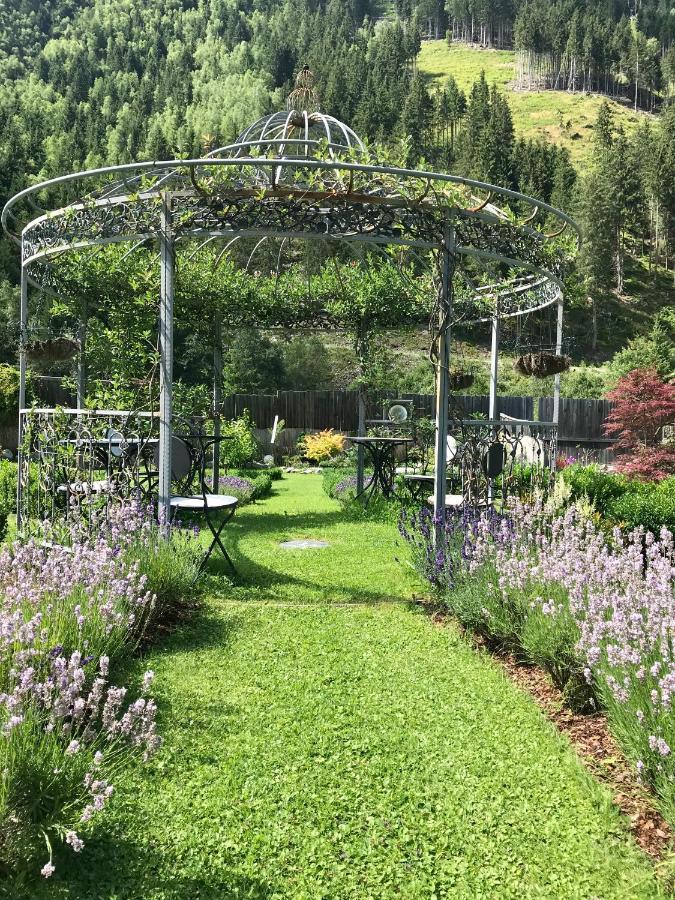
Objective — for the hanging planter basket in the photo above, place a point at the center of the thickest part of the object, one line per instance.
(541, 365)
(57, 349)
(460, 381)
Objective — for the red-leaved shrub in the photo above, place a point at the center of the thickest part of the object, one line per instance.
(643, 404)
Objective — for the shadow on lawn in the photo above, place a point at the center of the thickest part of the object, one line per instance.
(110, 868)
(203, 629)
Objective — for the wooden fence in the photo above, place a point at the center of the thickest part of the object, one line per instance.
(314, 410)
(580, 432)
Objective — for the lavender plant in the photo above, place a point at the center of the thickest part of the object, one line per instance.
(596, 610)
(67, 614)
(236, 486)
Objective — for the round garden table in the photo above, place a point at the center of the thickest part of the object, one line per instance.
(382, 453)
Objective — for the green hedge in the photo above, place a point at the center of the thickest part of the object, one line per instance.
(647, 504)
(624, 502)
(599, 486)
(259, 478)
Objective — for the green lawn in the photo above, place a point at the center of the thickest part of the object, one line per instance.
(316, 749)
(557, 116)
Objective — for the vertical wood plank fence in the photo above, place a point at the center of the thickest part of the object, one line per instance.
(580, 432)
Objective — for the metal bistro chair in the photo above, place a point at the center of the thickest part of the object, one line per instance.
(188, 468)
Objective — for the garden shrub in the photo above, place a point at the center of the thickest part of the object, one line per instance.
(340, 482)
(321, 446)
(67, 615)
(9, 394)
(596, 484)
(8, 486)
(261, 480)
(524, 480)
(236, 486)
(247, 484)
(241, 446)
(648, 505)
(643, 405)
(621, 501)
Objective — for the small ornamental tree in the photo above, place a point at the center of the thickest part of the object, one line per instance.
(643, 404)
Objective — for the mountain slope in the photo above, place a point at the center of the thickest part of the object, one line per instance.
(557, 116)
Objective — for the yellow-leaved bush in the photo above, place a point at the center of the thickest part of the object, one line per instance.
(322, 445)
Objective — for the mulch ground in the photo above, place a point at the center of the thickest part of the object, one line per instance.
(593, 741)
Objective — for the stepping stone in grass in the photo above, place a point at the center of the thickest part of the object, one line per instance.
(303, 545)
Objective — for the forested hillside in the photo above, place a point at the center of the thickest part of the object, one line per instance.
(87, 82)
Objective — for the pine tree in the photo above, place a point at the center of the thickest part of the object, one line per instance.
(416, 119)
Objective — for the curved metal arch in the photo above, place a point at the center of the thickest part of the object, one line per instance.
(176, 167)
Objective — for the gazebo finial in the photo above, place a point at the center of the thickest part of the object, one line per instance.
(303, 97)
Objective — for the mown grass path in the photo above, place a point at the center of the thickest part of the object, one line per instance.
(345, 751)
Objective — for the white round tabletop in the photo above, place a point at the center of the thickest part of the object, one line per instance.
(213, 501)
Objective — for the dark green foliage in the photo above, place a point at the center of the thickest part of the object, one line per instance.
(306, 364)
(649, 505)
(594, 483)
(260, 479)
(9, 394)
(331, 477)
(253, 364)
(240, 447)
(8, 486)
(622, 501)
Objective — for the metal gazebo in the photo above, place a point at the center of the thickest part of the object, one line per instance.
(299, 175)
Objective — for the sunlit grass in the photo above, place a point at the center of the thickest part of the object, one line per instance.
(556, 116)
(345, 751)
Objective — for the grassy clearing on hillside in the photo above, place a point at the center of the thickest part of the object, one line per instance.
(346, 751)
(557, 116)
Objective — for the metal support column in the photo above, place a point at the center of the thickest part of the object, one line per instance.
(442, 377)
(494, 365)
(81, 359)
(217, 397)
(167, 263)
(360, 456)
(558, 350)
(361, 427)
(23, 339)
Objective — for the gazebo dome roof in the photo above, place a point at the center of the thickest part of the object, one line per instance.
(301, 131)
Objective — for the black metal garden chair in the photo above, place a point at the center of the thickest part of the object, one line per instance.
(189, 453)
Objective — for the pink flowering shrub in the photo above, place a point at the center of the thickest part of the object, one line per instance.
(67, 614)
